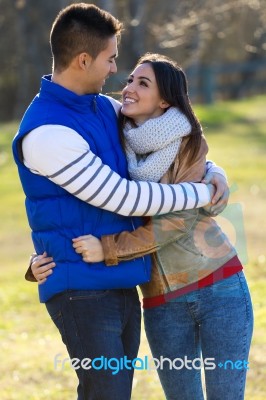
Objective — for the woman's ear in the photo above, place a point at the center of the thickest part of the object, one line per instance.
(164, 104)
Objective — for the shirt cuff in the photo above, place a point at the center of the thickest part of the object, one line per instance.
(110, 256)
(29, 275)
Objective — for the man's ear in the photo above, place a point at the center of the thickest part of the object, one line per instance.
(84, 60)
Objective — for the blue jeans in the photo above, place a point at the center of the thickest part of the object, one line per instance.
(215, 323)
(99, 324)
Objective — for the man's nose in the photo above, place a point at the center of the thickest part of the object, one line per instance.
(113, 69)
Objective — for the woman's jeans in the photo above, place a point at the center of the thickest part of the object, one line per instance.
(213, 323)
(99, 327)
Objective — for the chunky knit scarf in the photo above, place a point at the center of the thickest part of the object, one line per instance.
(152, 147)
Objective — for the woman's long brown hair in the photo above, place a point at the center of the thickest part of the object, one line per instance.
(173, 88)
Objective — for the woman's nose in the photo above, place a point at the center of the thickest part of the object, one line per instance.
(131, 87)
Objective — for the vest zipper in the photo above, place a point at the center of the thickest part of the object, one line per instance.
(94, 104)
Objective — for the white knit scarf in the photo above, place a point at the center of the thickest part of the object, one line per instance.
(152, 147)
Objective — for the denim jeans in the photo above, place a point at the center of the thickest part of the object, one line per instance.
(214, 322)
(99, 324)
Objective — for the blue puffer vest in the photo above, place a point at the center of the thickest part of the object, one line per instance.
(54, 215)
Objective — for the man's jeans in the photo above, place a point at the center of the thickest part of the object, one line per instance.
(95, 324)
(214, 322)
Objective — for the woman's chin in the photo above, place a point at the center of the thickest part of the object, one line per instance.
(125, 111)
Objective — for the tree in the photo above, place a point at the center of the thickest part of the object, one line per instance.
(196, 33)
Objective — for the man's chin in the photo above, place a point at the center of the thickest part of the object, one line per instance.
(100, 89)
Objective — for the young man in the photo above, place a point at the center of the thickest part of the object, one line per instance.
(74, 174)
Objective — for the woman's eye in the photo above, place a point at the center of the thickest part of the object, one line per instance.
(130, 80)
(143, 83)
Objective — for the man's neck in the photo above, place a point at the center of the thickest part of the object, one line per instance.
(69, 81)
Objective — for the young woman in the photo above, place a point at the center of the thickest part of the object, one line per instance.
(197, 307)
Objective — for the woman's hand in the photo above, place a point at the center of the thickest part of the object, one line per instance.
(90, 247)
(41, 267)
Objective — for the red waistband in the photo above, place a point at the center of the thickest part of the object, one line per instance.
(225, 271)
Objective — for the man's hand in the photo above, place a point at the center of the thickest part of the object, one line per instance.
(41, 267)
(90, 247)
(221, 195)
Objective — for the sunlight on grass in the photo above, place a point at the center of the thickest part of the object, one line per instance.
(29, 342)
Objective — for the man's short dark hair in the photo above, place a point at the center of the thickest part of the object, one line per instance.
(81, 28)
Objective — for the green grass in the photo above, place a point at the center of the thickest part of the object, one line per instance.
(236, 133)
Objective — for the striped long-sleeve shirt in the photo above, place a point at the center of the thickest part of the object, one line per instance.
(64, 157)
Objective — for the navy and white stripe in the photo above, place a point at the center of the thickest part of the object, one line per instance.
(63, 157)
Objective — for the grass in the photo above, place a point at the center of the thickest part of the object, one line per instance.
(236, 133)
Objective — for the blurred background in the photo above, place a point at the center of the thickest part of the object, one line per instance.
(220, 44)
